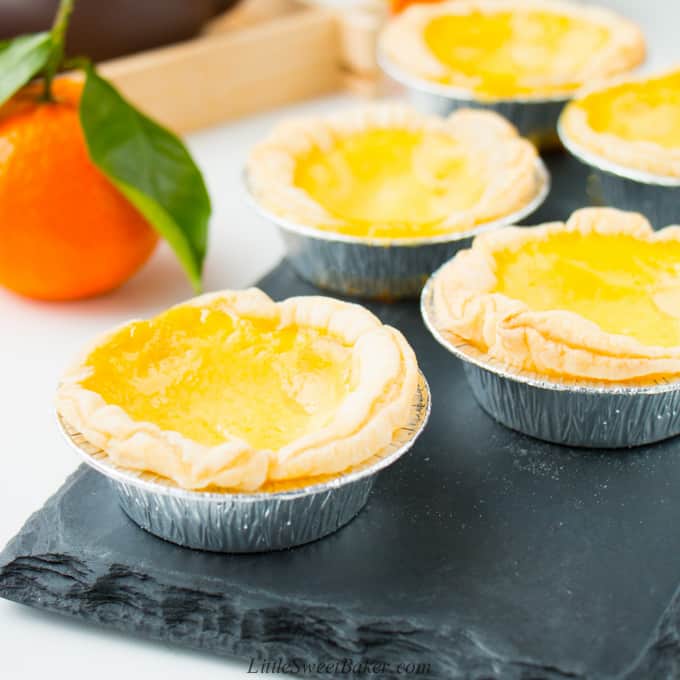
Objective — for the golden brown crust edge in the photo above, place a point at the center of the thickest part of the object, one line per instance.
(386, 376)
(637, 155)
(554, 343)
(403, 44)
(510, 160)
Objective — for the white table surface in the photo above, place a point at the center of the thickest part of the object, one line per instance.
(36, 342)
(38, 339)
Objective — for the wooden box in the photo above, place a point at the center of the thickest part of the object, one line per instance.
(263, 54)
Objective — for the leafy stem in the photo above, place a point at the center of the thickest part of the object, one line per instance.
(148, 164)
(58, 36)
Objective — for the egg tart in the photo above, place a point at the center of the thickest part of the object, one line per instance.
(232, 390)
(389, 173)
(596, 298)
(503, 49)
(634, 123)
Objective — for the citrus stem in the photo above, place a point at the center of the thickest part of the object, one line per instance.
(58, 33)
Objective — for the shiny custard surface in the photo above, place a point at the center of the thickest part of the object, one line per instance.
(644, 111)
(521, 52)
(390, 183)
(625, 285)
(210, 376)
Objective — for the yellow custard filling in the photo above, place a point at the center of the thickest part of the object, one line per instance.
(645, 111)
(391, 183)
(503, 54)
(209, 376)
(625, 285)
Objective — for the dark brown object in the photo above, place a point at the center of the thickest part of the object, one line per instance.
(103, 30)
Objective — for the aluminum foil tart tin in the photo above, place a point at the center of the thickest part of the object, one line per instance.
(242, 522)
(657, 197)
(584, 414)
(379, 269)
(534, 117)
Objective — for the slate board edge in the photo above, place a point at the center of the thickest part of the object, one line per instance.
(35, 573)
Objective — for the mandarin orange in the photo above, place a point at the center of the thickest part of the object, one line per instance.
(66, 232)
(398, 5)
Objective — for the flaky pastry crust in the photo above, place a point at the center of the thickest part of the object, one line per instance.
(509, 161)
(383, 390)
(403, 42)
(556, 343)
(636, 154)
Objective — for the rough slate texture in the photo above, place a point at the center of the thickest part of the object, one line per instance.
(482, 553)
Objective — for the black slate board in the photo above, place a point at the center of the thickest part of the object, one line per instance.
(482, 553)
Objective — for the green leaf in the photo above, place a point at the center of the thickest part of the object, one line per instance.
(151, 167)
(20, 60)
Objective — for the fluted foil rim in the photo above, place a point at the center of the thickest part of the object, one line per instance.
(470, 354)
(542, 179)
(601, 163)
(403, 441)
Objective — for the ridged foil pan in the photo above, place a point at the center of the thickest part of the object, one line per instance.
(574, 413)
(534, 117)
(248, 522)
(379, 269)
(655, 196)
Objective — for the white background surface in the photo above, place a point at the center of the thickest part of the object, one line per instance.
(37, 340)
